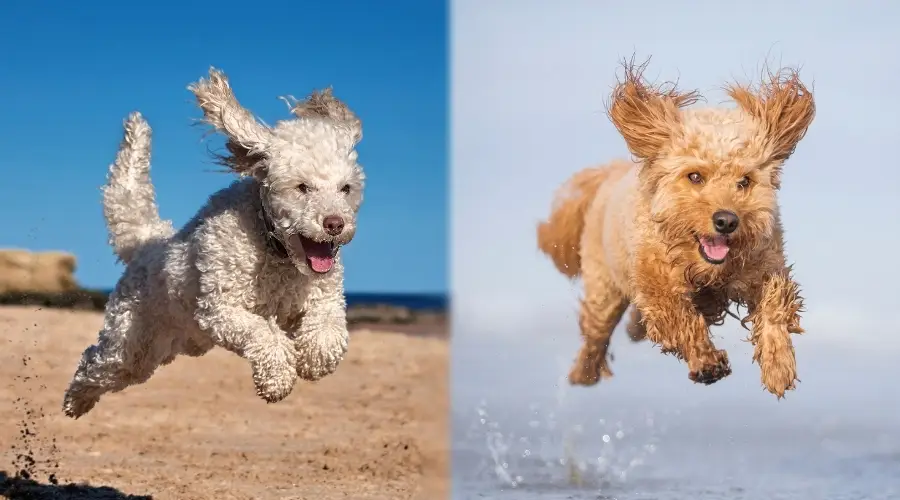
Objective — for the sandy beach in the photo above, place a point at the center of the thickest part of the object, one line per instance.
(376, 429)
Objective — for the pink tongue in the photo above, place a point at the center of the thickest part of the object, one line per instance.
(321, 264)
(716, 247)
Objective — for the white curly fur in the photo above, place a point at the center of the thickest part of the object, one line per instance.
(220, 280)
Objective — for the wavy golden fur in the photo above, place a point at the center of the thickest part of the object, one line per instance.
(687, 229)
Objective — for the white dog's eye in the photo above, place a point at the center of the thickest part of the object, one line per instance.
(346, 189)
(303, 188)
(744, 183)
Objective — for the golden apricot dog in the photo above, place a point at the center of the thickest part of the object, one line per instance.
(689, 228)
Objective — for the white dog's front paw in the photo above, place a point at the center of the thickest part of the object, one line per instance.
(274, 371)
(320, 354)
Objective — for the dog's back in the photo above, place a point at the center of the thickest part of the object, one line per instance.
(589, 191)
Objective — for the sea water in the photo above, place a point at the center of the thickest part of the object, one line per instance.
(521, 432)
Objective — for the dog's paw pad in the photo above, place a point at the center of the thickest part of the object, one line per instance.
(710, 374)
(713, 370)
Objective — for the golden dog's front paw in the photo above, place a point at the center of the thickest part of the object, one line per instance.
(780, 375)
(710, 369)
(774, 352)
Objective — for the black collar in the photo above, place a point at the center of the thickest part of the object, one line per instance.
(272, 241)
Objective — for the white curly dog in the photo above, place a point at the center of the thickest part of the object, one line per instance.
(257, 270)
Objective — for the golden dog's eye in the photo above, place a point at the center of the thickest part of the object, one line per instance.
(346, 189)
(303, 188)
(744, 183)
(695, 177)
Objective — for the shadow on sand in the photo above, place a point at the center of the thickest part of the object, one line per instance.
(19, 488)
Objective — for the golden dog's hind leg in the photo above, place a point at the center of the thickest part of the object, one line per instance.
(601, 310)
(775, 316)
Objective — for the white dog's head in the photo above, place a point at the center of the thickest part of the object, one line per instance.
(311, 183)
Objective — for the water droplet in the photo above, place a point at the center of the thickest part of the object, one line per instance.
(606, 438)
(620, 434)
(526, 453)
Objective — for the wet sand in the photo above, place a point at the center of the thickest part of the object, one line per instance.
(376, 429)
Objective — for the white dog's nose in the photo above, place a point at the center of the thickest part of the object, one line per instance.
(333, 224)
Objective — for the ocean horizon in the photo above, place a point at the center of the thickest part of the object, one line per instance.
(430, 301)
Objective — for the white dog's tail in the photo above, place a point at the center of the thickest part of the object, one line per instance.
(129, 201)
(560, 236)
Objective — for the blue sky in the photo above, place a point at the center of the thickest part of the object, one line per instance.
(75, 70)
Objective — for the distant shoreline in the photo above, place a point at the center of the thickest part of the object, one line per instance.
(410, 313)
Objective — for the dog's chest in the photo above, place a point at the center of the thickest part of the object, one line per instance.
(282, 292)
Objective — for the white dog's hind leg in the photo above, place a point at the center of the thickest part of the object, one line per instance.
(92, 379)
(125, 354)
(104, 367)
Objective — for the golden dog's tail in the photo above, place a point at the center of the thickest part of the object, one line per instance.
(559, 236)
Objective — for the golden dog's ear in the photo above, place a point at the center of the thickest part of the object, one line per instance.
(784, 107)
(646, 115)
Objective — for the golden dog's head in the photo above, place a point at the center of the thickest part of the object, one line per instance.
(710, 175)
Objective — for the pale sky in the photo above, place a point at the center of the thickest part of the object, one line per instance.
(530, 79)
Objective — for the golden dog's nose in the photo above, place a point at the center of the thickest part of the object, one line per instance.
(725, 222)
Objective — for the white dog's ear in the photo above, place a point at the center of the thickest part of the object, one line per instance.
(646, 115)
(782, 104)
(323, 104)
(223, 112)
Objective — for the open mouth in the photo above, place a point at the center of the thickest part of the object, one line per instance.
(713, 249)
(319, 254)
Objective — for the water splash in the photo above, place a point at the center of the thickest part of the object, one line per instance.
(546, 447)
